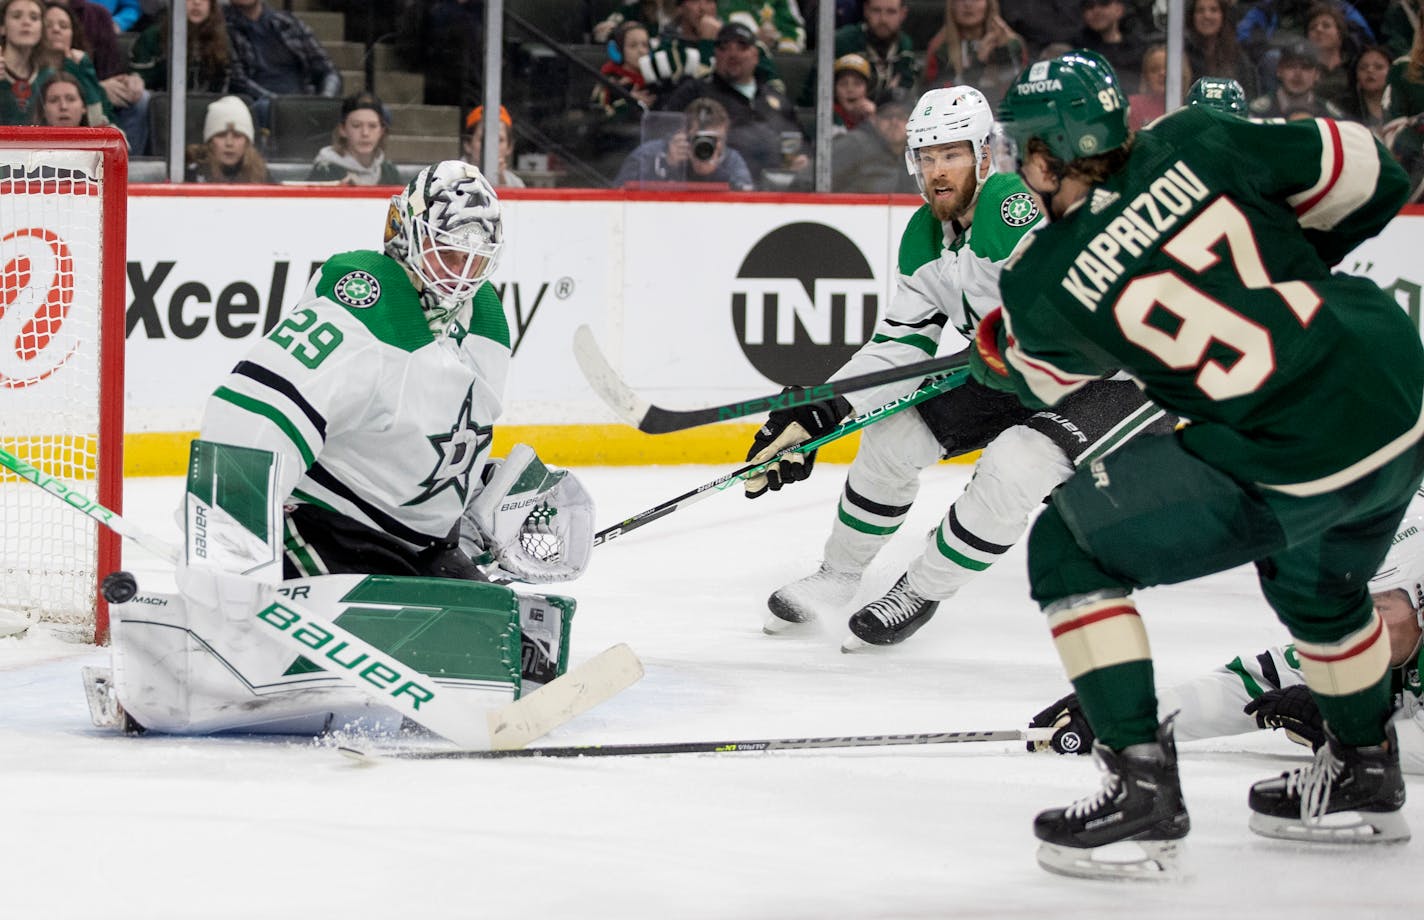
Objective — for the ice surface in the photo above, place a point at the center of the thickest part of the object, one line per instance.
(100, 826)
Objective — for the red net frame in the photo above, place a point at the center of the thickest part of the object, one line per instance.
(109, 182)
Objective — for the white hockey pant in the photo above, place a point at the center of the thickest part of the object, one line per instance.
(1014, 474)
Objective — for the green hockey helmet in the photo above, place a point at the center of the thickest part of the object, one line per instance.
(1074, 103)
(1220, 93)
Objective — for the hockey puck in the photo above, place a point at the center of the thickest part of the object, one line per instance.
(119, 587)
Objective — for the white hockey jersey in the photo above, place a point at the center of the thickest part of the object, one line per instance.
(1211, 706)
(948, 276)
(376, 417)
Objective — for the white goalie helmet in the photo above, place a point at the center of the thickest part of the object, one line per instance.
(943, 116)
(445, 227)
(1403, 565)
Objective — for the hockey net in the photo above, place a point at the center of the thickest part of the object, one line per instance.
(63, 195)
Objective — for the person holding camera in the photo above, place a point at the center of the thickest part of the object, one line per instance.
(764, 129)
(696, 152)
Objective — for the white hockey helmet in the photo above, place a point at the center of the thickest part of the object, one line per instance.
(943, 116)
(445, 228)
(1403, 566)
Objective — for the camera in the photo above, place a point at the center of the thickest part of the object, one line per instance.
(704, 145)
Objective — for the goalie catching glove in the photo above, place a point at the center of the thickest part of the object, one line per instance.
(1292, 709)
(530, 523)
(785, 428)
(1072, 735)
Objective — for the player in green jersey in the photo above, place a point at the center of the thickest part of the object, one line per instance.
(1196, 257)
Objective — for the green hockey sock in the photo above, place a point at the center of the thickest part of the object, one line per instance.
(1120, 702)
(1358, 719)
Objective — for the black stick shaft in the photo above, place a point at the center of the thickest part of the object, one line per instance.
(719, 747)
(662, 509)
(659, 420)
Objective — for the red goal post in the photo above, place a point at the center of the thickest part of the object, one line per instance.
(63, 226)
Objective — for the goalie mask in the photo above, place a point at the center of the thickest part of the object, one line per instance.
(944, 116)
(445, 228)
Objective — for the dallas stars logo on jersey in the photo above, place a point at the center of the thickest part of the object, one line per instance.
(1018, 209)
(357, 289)
(457, 451)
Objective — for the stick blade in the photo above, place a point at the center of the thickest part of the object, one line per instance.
(597, 680)
(605, 381)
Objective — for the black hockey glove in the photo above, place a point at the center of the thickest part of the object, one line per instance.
(1073, 736)
(787, 428)
(1293, 709)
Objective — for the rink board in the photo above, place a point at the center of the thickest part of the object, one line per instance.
(696, 300)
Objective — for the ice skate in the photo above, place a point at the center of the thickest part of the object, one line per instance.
(800, 603)
(105, 710)
(1347, 795)
(1130, 829)
(891, 619)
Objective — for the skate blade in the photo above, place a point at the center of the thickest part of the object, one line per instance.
(1126, 860)
(1348, 827)
(104, 710)
(776, 626)
(856, 645)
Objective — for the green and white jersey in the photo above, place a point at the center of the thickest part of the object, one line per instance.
(1202, 268)
(947, 277)
(375, 417)
(1211, 705)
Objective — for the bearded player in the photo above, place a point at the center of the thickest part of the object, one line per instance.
(949, 261)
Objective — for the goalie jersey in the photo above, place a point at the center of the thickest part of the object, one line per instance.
(377, 417)
(948, 276)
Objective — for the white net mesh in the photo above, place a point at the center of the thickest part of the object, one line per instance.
(51, 243)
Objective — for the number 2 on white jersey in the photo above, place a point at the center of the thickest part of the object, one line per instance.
(1202, 318)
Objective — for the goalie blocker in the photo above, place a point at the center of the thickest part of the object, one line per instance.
(200, 660)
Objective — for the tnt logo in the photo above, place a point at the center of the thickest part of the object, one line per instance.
(804, 301)
(36, 291)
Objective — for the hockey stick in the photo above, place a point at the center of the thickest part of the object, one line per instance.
(379, 674)
(715, 747)
(652, 419)
(931, 389)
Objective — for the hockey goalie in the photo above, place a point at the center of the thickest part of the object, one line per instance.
(343, 468)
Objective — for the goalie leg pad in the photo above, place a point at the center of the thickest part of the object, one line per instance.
(545, 623)
(186, 668)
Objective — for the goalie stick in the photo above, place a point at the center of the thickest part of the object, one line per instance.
(508, 727)
(712, 747)
(651, 419)
(931, 389)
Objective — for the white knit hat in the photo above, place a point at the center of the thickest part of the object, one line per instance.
(228, 112)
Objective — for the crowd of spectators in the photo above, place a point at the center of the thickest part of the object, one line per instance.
(753, 60)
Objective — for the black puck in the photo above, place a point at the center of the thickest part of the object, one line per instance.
(119, 587)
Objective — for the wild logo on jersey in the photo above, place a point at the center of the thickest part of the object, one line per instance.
(456, 451)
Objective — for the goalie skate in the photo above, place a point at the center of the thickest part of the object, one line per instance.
(1132, 828)
(891, 619)
(802, 602)
(105, 710)
(1347, 795)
